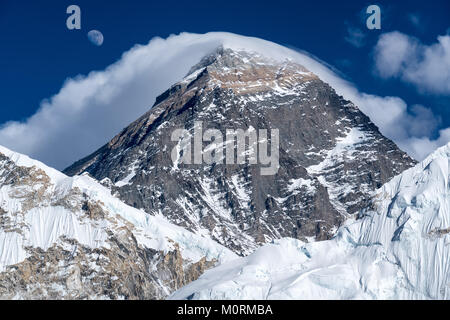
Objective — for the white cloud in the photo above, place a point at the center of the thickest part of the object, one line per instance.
(90, 110)
(414, 19)
(427, 67)
(411, 131)
(355, 36)
(423, 146)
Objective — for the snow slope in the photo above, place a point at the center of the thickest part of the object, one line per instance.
(399, 249)
(40, 207)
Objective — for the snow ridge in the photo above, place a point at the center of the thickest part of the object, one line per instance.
(58, 214)
(399, 249)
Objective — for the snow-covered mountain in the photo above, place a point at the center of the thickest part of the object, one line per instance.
(331, 157)
(398, 249)
(63, 237)
(152, 225)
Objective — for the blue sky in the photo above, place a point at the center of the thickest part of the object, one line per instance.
(39, 53)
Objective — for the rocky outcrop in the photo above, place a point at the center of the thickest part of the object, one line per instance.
(124, 271)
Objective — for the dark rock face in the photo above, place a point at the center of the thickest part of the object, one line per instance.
(331, 157)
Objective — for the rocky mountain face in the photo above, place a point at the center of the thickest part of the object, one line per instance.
(331, 157)
(69, 238)
(397, 249)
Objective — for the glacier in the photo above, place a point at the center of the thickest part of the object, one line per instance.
(45, 214)
(397, 248)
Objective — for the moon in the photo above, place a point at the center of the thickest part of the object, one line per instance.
(96, 37)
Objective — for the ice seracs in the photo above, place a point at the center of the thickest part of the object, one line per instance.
(398, 249)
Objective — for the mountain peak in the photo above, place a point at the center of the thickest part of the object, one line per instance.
(246, 71)
(230, 58)
(331, 156)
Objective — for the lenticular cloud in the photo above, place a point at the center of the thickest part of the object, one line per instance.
(89, 110)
